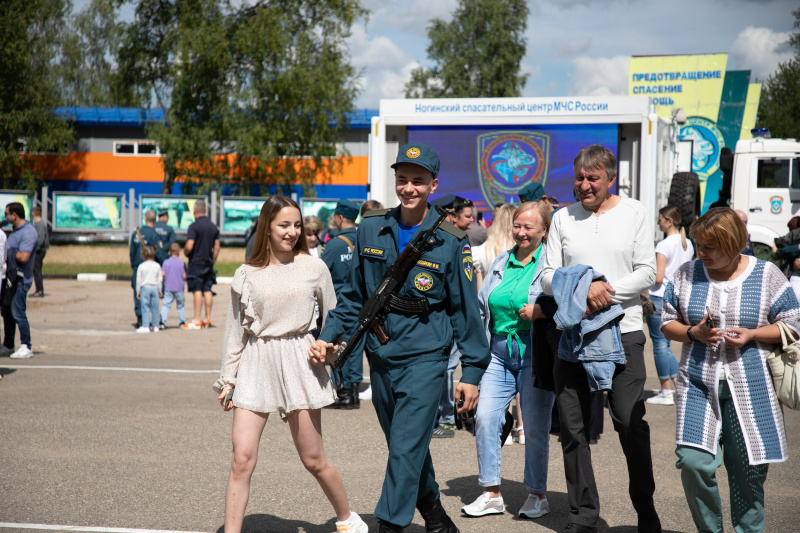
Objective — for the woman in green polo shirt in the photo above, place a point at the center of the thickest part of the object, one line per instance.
(507, 302)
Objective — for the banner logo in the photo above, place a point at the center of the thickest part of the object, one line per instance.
(707, 143)
(509, 160)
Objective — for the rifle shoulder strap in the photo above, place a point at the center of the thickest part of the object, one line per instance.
(452, 230)
(345, 239)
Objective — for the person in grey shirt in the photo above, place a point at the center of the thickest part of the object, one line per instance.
(42, 245)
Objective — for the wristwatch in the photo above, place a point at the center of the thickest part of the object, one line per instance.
(689, 334)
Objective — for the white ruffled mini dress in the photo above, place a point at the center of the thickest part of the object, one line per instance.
(268, 333)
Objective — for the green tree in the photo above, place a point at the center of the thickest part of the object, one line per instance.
(779, 109)
(477, 54)
(86, 69)
(256, 94)
(28, 95)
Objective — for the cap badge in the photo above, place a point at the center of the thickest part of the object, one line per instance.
(413, 153)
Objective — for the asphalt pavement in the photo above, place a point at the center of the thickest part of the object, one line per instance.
(108, 430)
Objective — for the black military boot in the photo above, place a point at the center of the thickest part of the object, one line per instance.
(436, 519)
(386, 527)
(344, 399)
(354, 396)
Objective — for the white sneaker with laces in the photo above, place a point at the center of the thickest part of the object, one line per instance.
(23, 353)
(664, 397)
(354, 524)
(143, 329)
(534, 507)
(366, 394)
(5, 351)
(484, 505)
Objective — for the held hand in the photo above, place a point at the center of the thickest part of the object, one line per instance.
(526, 313)
(318, 353)
(221, 398)
(599, 297)
(138, 296)
(470, 394)
(738, 336)
(796, 264)
(704, 333)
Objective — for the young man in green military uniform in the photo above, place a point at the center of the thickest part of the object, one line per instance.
(337, 256)
(150, 237)
(407, 372)
(165, 232)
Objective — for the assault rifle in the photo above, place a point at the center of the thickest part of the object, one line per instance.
(384, 299)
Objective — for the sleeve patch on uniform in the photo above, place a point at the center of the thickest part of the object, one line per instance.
(468, 267)
(374, 251)
(423, 281)
(466, 249)
(430, 265)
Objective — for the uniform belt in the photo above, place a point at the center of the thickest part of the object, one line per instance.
(406, 306)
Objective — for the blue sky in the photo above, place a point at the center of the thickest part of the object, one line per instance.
(581, 47)
(577, 47)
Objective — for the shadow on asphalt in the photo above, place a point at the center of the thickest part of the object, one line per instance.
(265, 522)
(7, 371)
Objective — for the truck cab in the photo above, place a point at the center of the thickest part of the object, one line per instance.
(766, 186)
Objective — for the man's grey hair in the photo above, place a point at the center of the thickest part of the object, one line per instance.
(200, 207)
(594, 157)
(149, 216)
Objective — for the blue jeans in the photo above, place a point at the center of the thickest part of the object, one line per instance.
(18, 313)
(169, 296)
(666, 364)
(447, 406)
(149, 306)
(503, 379)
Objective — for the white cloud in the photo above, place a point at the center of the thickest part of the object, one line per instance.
(410, 17)
(562, 49)
(599, 76)
(760, 50)
(376, 52)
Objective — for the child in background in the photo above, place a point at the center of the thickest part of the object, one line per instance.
(174, 276)
(148, 288)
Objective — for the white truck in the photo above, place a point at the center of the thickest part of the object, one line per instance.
(766, 185)
(491, 147)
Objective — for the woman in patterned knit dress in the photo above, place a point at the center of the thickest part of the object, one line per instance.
(265, 358)
(727, 410)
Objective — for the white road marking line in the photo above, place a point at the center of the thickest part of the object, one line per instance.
(85, 332)
(91, 529)
(112, 368)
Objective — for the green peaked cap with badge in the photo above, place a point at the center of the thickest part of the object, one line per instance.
(347, 208)
(419, 154)
(532, 192)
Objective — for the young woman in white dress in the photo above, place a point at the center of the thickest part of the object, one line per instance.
(265, 358)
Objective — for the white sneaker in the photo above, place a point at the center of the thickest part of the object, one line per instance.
(664, 397)
(143, 329)
(534, 507)
(354, 524)
(366, 394)
(510, 439)
(484, 505)
(5, 351)
(155, 329)
(23, 353)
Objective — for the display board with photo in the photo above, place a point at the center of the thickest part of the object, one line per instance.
(322, 208)
(180, 208)
(95, 212)
(26, 199)
(238, 213)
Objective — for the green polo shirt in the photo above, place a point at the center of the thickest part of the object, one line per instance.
(510, 296)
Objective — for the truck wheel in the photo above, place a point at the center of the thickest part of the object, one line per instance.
(684, 193)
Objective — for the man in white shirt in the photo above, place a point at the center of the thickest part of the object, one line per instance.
(614, 236)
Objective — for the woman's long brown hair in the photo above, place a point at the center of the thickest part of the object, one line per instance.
(261, 251)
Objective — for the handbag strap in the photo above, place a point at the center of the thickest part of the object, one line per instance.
(786, 332)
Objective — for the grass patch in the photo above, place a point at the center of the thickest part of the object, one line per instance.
(63, 269)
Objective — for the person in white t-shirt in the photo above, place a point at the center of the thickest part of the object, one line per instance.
(671, 253)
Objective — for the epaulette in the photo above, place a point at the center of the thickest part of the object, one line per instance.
(375, 213)
(452, 230)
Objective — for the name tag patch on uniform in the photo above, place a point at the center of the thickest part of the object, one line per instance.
(468, 267)
(430, 265)
(466, 249)
(373, 251)
(423, 281)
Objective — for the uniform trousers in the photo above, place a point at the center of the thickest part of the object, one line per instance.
(627, 409)
(745, 481)
(137, 303)
(406, 400)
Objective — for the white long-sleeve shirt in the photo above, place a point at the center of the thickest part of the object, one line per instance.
(148, 275)
(618, 243)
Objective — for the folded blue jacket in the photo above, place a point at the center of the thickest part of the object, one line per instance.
(595, 340)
